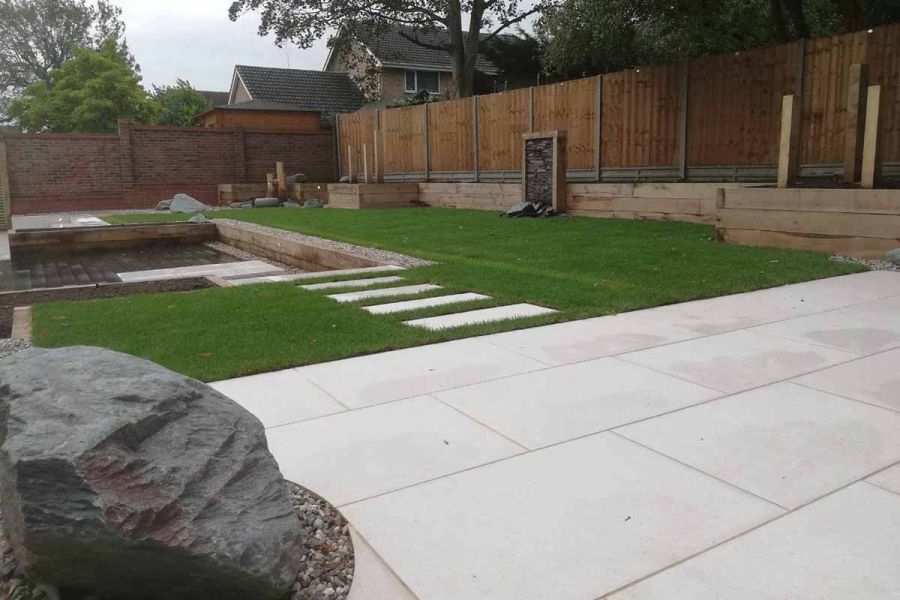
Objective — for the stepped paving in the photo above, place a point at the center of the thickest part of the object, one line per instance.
(478, 317)
(403, 290)
(743, 447)
(407, 305)
(349, 283)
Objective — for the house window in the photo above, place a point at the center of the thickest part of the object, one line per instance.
(416, 81)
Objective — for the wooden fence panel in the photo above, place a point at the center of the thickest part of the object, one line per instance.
(824, 98)
(502, 119)
(640, 117)
(884, 70)
(403, 130)
(569, 106)
(735, 106)
(357, 132)
(450, 135)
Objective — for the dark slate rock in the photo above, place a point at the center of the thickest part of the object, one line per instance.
(266, 202)
(121, 479)
(163, 205)
(313, 204)
(296, 178)
(182, 203)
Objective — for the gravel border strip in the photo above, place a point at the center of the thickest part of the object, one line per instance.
(872, 264)
(385, 256)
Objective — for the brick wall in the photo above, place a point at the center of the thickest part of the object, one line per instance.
(142, 165)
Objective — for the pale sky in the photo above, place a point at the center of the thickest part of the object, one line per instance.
(195, 40)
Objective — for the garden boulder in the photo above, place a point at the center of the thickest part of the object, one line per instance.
(893, 256)
(122, 479)
(266, 203)
(182, 203)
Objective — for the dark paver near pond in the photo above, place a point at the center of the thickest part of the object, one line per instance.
(44, 268)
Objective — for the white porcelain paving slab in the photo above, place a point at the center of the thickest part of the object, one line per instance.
(280, 397)
(874, 379)
(395, 307)
(576, 520)
(843, 547)
(730, 313)
(577, 341)
(786, 443)
(277, 278)
(361, 453)
(349, 283)
(245, 267)
(889, 479)
(403, 290)
(739, 360)
(865, 328)
(355, 271)
(546, 407)
(378, 378)
(372, 579)
(477, 317)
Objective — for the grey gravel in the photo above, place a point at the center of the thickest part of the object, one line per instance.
(386, 256)
(872, 264)
(8, 347)
(328, 561)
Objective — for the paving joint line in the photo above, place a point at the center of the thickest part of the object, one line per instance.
(783, 515)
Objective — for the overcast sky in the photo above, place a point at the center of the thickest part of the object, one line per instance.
(195, 40)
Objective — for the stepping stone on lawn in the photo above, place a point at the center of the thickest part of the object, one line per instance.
(351, 283)
(395, 307)
(340, 272)
(477, 317)
(404, 290)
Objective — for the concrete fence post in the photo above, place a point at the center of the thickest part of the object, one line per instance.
(5, 192)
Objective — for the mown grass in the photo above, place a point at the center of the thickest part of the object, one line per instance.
(582, 267)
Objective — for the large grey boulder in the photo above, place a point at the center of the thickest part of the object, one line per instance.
(182, 203)
(122, 479)
(893, 256)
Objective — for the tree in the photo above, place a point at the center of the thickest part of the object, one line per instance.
(597, 36)
(90, 92)
(179, 103)
(305, 21)
(37, 36)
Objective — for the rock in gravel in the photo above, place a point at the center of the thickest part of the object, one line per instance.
(164, 205)
(182, 203)
(313, 204)
(121, 479)
(266, 202)
(893, 256)
(198, 219)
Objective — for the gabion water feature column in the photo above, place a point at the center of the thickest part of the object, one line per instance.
(544, 169)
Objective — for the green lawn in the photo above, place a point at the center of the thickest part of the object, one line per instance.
(583, 267)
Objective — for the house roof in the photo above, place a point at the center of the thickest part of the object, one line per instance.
(215, 98)
(392, 49)
(323, 91)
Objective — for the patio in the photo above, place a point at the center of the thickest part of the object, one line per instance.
(744, 446)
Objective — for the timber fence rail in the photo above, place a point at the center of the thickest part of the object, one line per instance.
(715, 118)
